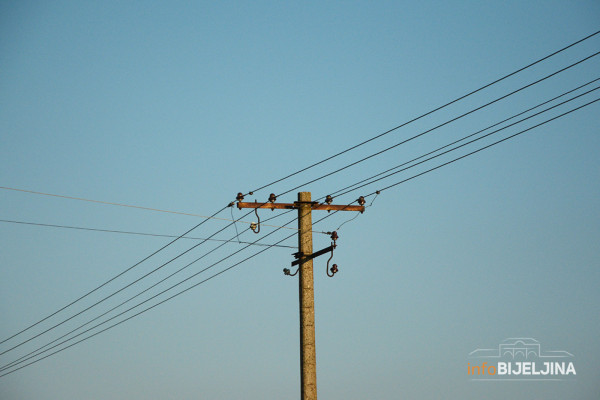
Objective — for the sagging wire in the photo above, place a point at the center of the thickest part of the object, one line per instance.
(372, 201)
(361, 201)
(237, 233)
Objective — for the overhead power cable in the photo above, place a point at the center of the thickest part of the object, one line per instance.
(119, 290)
(38, 351)
(345, 190)
(107, 202)
(144, 291)
(440, 125)
(122, 288)
(138, 207)
(414, 176)
(377, 192)
(415, 164)
(110, 280)
(128, 232)
(266, 248)
(427, 113)
(25, 358)
(371, 179)
(152, 298)
(482, 148)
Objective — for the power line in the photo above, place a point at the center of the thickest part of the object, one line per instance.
(442, 124)
(482, 148)
(32, 354)
(128, 232)
(358, 185)
(482, 130)
(110, 280)
(120, 274)
(266, 248)
(427, 113)
(384, 188)
(107, 202)
(451, 149)
(29, 355)
(138, 207)
(330, 157)
(153, 297)
(123, 288)
(23, 359)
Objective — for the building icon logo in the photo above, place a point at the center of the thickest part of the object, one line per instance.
(520, 359)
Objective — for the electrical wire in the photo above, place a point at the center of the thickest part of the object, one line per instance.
(473, 134)
(482, 148)
(266, 248)
(109, 281)
(125, 287)
(427, 160)
(427, 113)
(344, 190)
(329, 174)
(108, 203)
(156, 295)
(128, 232)
(121, 289)
(235, 225)
(138, 207)
(440, 125)
(365, 196)
(25, 358)
(356, 186)
(33, 354)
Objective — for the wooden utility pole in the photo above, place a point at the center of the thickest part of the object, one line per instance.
(304, 205)
(308, 351)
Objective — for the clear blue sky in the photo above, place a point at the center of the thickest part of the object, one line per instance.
(180, 105)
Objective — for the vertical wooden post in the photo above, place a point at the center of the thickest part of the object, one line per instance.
(308, 353)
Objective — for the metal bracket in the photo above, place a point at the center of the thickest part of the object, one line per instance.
(301, 257)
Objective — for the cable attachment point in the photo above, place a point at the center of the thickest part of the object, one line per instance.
(272, 199)
(287, 272)
(255, 226)
(239, 196)
(328, 200)
(334, 237)
(361, 200)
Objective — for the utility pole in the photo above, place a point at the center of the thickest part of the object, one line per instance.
(308, 351)
(305, 255)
